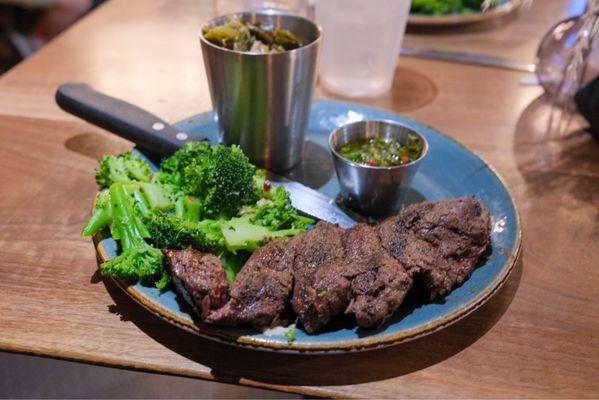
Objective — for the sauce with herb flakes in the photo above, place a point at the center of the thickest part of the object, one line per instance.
(379, 152)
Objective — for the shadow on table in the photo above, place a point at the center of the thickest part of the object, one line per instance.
(231, 364)
(411, 90)
(555, 154)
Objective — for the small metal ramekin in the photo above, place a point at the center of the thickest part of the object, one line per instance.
(367, 189)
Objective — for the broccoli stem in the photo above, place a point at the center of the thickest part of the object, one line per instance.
(99, 219)
(187, 208)
(131, 230)
(213, 199)
(101, 216)
(241, 234)
(179, 208)
(157, 196)
(138, 260)
(140, 201)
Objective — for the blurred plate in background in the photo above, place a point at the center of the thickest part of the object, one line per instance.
(505, 7)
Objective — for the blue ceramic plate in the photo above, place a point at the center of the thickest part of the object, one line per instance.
(449, 170)
(505, 7)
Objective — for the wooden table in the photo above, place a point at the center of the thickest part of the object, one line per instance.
(538, 337)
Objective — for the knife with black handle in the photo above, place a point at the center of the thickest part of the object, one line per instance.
(158, 139)
(150, 133)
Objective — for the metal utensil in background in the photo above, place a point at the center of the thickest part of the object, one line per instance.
(151, 134)
(369, 189)
(262, 101)
(468, 58)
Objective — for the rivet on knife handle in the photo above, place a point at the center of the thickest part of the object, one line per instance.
(124, 119)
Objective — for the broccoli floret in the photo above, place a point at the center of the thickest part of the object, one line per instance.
(169, 232)
(477, 4)
(224, 182)
(241, 234)
(122, 168)
(172, 169)
(274, 211)
(437, 7)
(143, 264)
(138, 260)
(189, 203)
(221, 177)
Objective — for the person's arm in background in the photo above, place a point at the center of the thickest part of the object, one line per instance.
(56, 16)
(26, 25)
(59, 15)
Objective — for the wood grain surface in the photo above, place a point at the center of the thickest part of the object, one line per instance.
(538, 337)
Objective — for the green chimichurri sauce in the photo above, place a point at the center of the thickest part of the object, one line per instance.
(378, 152)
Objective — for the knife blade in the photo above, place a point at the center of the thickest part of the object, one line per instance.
(155, 136)
(469, 58)
(316, 205)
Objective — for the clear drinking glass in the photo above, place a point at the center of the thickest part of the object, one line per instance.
(361, 44)
(298, 7)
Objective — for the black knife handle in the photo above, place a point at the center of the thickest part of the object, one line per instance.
(126, 120)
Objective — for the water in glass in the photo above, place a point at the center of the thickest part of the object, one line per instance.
(361, 44)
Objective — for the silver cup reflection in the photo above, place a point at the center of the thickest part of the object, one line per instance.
(262, 101)
(367, 189)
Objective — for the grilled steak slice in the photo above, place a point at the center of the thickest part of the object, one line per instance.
(347, 272)
(379, 283)
(363, 271)
(199, 277)
(442, 241)
(315, 271)
(261, 291)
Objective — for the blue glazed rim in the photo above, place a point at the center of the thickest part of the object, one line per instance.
(248, 338)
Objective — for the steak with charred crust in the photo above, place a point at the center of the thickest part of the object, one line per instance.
(379, 283)
(199, 277)
(261, 291)
(361, 280)
(326, 272)
(440, 241)
(320, 248)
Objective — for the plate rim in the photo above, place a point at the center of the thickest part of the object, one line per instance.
(354, 345)
(464, 19)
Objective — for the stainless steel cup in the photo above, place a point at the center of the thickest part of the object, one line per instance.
(262, 101)
(367, 189)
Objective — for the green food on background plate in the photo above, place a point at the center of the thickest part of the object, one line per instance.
(444, 7)
(209, 198)
(379, 152)
(251, 37)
